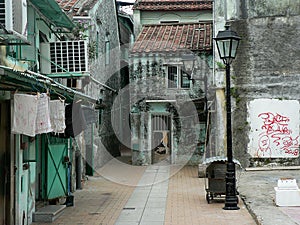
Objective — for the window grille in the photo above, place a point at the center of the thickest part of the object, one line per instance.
(70, 55)
(177, 78)
(161, 122)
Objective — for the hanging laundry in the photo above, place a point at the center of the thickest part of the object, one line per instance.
(43, 124)
(25, 114)
(57, 115)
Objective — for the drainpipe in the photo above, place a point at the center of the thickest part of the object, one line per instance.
(78, 169)
(225, 11)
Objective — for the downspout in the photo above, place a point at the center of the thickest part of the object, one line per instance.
(77, 166)
(34, 43)
(213, 46)
(78, 170)
(225, 10)
(5, 183)
(13, 169)
(29, 191)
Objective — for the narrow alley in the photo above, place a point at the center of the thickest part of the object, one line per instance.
(129, 195)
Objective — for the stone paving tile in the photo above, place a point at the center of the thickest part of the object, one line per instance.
(102, 198)
(131, 215)
(153, 214)
(186, 203)
(148, 212)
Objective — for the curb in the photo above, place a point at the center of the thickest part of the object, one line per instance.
(258, 219)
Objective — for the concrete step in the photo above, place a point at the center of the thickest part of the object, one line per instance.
(48, 213)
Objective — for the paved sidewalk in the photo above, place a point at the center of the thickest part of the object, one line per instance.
(147, 204)
(187, 204)
(257, 189)
(130, 195)
(102, 197)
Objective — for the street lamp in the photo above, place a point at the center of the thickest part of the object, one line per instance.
(188, 61)
(227, 43)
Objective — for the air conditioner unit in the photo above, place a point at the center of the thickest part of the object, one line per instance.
(13, 16)
(64, 57)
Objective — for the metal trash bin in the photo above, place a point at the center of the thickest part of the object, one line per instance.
(215, 177)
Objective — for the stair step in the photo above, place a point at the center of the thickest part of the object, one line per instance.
(48, 213)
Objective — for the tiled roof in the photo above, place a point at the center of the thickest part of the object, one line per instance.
(178, 5)
(174, 37)
(76, 7)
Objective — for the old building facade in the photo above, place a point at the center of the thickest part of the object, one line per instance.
(97, 22)
(168, 102)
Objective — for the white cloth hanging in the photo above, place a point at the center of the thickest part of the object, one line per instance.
(57, 115)
(25, 113)
(43, 124)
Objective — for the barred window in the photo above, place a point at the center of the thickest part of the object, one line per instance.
(177, 78)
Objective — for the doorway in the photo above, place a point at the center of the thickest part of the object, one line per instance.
(161, 139)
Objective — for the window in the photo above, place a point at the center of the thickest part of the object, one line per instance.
(72, 83)
(107, 50)
(177, 78)
(97, 45)
(172, 77)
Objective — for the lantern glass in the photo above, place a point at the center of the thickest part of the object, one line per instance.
(188, 61)
(188, 65)
(227, 43)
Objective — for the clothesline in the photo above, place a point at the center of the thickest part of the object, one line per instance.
(37, 114)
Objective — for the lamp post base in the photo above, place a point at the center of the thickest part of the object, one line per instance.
(231, 200)
(231, 203)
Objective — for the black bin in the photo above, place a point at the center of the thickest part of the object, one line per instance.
(215, 174)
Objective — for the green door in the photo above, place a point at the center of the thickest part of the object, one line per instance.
(56, 170)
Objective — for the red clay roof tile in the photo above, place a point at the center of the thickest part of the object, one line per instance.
(76, 7)
(174, 37)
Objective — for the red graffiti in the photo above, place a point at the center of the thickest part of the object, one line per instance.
(275, 131)
(275, 123)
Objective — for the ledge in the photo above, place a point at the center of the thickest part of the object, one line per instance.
(272, 168)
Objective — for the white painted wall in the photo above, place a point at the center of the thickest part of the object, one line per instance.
(274, 128)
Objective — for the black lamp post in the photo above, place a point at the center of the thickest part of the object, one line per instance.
(227, 43)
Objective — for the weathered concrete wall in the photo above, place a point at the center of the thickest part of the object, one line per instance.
(267, 66)
(105, 29)
(267, 8)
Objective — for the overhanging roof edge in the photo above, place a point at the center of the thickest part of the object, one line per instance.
(52, 11)
(32, 78)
